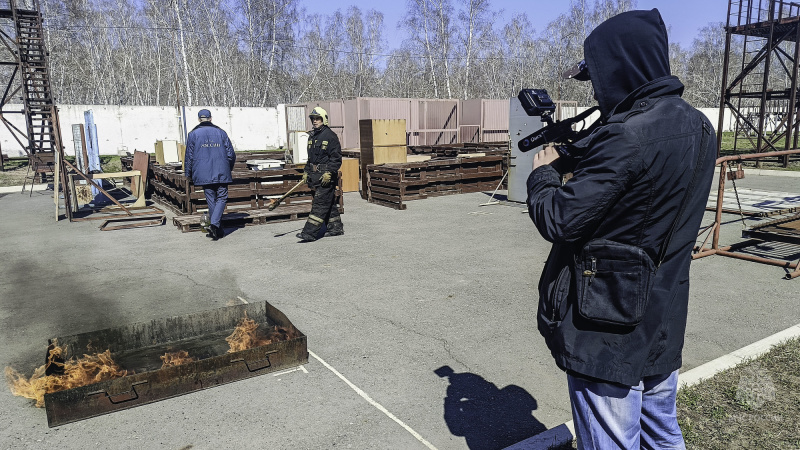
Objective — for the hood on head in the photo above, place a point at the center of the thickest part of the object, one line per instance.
(624, 53)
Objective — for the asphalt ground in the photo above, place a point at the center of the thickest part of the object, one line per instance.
(387, 306)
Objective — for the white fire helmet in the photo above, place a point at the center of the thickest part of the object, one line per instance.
(318, 111)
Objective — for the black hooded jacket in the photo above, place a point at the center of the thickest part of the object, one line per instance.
(628, 189)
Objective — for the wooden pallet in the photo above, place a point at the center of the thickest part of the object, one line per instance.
(392, 184)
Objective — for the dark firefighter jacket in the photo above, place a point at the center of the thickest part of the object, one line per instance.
(627, 188)
(209, 155)
(324, 152)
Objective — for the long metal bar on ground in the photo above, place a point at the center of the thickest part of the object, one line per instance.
(107, 214)
(124, 223)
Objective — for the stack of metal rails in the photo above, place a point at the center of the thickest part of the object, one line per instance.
(457, 149)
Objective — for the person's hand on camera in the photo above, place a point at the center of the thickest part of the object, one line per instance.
(545, 156)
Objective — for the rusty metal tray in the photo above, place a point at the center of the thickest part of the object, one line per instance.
(138, 348)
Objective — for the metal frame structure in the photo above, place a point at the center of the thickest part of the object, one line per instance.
(25, 69)
(712, 231)
(765, 107)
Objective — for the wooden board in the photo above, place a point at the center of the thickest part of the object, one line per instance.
(141, 162)
(382, 141)
(382, 132)
(349, 173)
(383, 155)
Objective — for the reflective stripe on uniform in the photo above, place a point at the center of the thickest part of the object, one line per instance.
(315, 219)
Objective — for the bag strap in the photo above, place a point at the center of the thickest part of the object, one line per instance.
(703, 148)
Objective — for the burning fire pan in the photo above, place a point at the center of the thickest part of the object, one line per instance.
(138, 348)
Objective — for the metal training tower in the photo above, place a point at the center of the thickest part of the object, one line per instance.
(762, 94)
(25, 72)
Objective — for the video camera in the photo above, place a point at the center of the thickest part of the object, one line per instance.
(536, 102)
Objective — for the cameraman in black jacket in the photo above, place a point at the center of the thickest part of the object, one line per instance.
(616, 325)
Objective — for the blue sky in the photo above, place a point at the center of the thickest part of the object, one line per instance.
(684, 17)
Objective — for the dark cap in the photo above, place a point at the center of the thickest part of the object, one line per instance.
(204, 114)
(580, 72)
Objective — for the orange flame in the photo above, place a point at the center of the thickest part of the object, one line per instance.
(76, 372)
(248, 335)
(176, 358)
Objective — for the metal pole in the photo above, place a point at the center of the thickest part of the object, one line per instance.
(791, 126)
(722, 96)
(765, 81)
(720, 193)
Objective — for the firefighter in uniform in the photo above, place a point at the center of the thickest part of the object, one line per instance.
(321, 173)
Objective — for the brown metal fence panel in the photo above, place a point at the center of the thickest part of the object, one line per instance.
(386, 109)
(350, 137)
(471, 111)
(494, 120)
(428, 121)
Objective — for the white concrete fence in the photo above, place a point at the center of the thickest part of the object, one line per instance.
(123, 128)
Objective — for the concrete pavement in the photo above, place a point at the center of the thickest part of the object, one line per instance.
(387, 306)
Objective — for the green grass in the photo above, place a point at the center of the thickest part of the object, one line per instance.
(744, 146)
(753, 405)
(17, 168)
(110, 164)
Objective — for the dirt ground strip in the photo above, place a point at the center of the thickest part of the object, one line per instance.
(416, 309)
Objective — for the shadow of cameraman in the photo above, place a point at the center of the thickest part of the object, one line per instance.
(486, 416)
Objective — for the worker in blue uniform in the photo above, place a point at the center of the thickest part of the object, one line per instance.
(209, 163)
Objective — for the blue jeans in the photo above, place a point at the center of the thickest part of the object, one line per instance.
(217, 198)
(611, 416)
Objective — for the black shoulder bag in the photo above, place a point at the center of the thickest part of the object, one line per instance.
(613, 280)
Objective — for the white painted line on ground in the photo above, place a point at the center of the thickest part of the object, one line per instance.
(373, 402)
(301, 368)
(557, 436)
(10, 189)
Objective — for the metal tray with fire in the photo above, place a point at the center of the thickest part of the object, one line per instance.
(146, 362)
